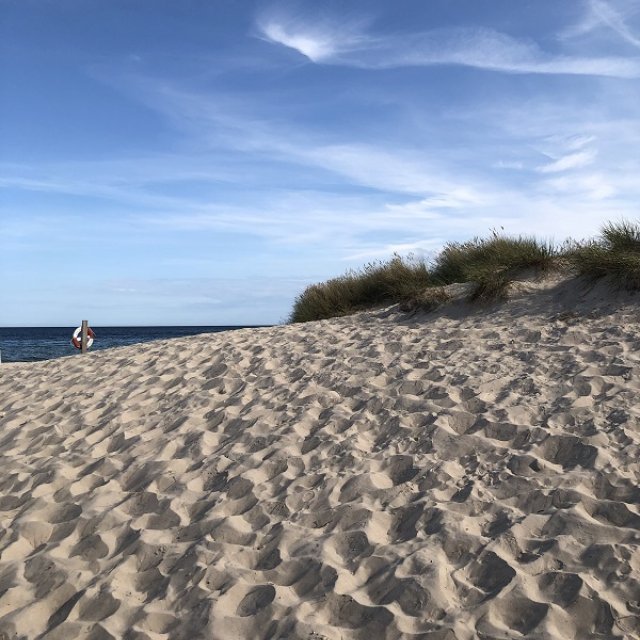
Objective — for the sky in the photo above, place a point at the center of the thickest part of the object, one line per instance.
(200, 162)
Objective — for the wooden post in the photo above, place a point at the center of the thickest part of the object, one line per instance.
(83, 344)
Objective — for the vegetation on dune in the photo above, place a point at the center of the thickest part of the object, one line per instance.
(615, 254)
(621, 236)
(490, 264)
(467, 261)
(396, 280)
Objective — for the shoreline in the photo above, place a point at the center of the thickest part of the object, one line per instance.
(35, 344)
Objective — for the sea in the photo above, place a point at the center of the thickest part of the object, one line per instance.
(30, 344)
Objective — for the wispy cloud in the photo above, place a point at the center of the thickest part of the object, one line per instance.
(570, 161)
(420, 249)
(476, 47)
(574, 143)
(286, 185)
(590, 186)
(319, 41)
(603, 15)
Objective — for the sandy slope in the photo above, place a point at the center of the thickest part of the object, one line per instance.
(453, 475)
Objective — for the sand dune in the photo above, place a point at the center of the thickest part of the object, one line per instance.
(470, 473)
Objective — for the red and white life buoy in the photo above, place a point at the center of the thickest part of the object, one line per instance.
(76, 341)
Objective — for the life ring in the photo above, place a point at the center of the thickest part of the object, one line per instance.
(76, 341)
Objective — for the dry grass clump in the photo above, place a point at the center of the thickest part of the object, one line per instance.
(396, 280)
(491, 286)
(616, 254)
(492, 263)
(461, 262)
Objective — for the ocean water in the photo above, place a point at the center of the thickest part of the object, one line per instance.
(43, 343)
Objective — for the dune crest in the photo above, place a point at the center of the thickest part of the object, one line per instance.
(469, 473)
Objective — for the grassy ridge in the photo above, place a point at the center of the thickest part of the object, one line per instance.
(491, 264)
(375, 284)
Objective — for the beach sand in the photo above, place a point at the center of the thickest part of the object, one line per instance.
(468, 473)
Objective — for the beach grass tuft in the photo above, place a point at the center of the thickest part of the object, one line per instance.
(615, 254)
(492, 263)
(378, 283)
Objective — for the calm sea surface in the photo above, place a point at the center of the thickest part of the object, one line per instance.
(43, 343)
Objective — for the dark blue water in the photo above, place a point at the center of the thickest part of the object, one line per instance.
(43, 343)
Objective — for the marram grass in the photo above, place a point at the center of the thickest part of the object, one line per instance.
(490, 264)
(616, 254)
(377, 283)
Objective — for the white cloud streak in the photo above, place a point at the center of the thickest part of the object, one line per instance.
(601, 15)
(476, 47)
(570, 161)
(317, 42)
(614, 20)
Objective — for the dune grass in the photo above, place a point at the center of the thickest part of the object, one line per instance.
(378, 283)
(616, 254)
(464, 262)
(490, 264)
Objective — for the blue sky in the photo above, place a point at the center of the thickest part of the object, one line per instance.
(201, 162)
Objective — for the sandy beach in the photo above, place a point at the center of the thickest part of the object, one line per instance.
(467, 473)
